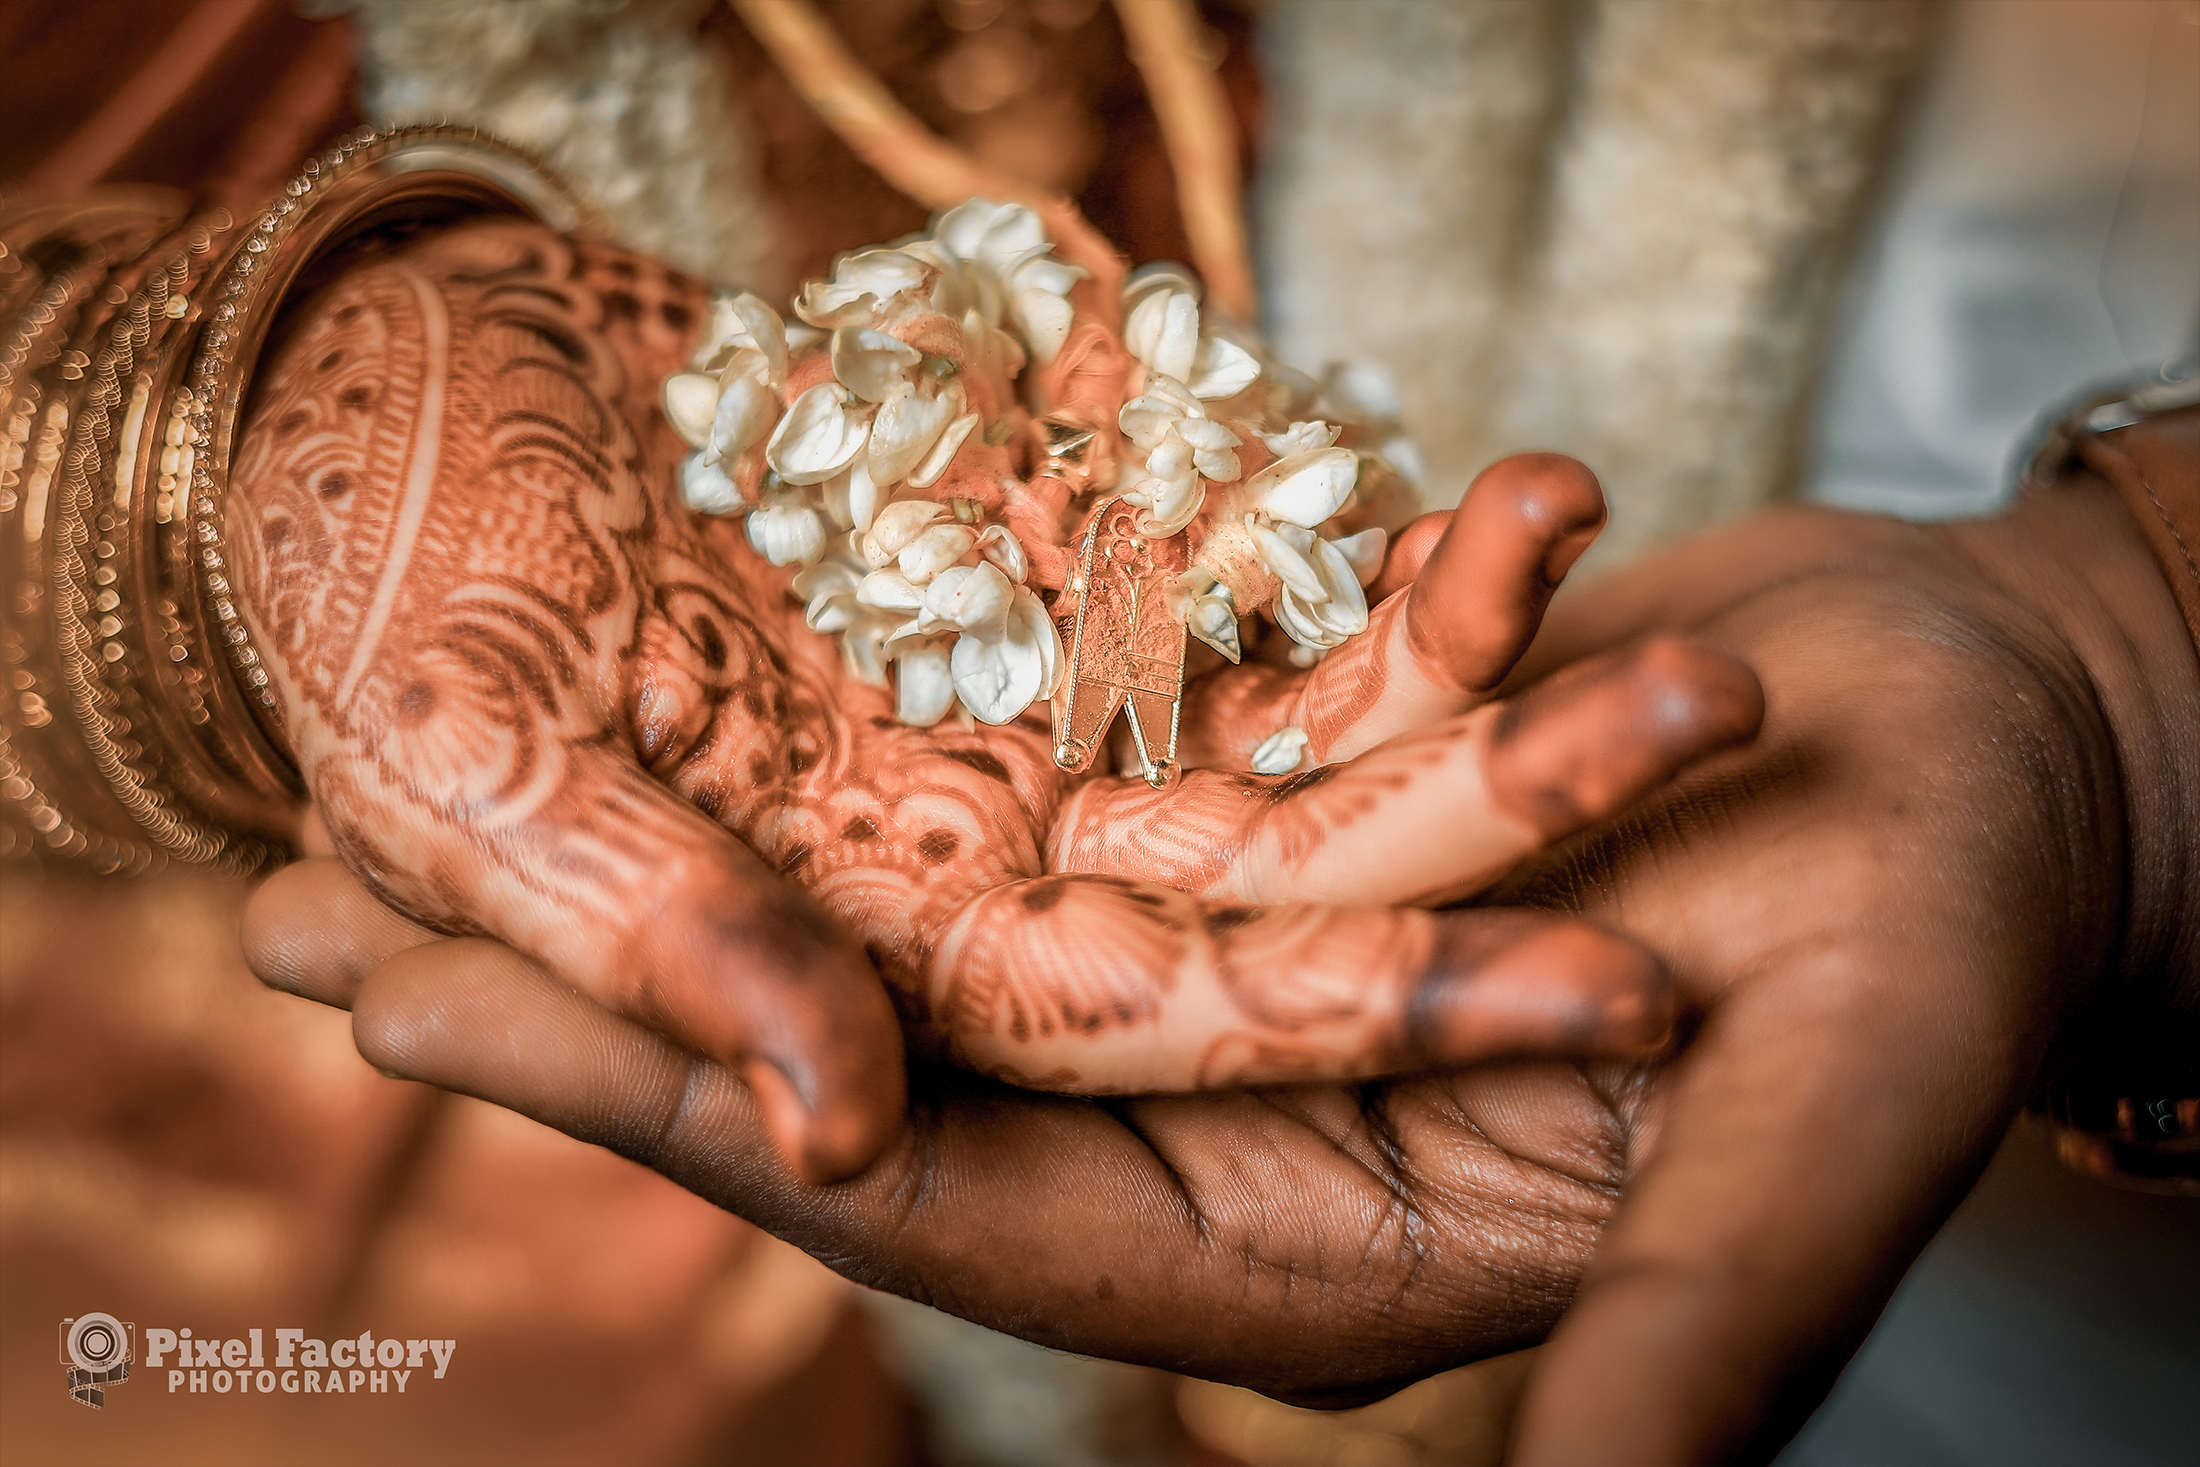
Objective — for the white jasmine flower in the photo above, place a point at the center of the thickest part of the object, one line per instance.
(861, 286)
(942, 452)
(896, 525)
(908, 428)
(1162, 331)
(871, 364)
(998, 544)
(1221, 368)
(933, 551)
(1305, 488)
(1281, 752)
(1364, 552)
(1183, 445)
(705, 488)
(736, 326)
(744, 414)
(690, 401)
(818, 437)
(1300, 438)
(1161, 328)
(786, 531)
(924, 685)
(853, 497)
(890, 590)
(997, 678)
(967, 598)
(1321, 603)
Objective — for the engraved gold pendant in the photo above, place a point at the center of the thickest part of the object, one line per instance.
(1126, 647)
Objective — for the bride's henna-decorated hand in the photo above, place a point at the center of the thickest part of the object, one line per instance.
(534, 699)
(1965, 838)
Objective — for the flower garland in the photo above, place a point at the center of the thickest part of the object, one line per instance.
(873, 447)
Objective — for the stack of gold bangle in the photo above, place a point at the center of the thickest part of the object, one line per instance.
(138, 726)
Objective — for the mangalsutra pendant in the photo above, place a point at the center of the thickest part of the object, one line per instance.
(1126, 647)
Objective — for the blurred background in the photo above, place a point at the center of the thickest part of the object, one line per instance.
(1728, 251)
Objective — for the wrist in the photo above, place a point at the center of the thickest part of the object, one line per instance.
(2080, 562)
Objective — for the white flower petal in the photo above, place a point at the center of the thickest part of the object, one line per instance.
(826, 578)
(1171, 504)
(818, 436)
(767, 333)
(1364, 552)
(1281, 752)
(1300, 438)
(896, 525)
(1306, 488)
(889, 590)
(1344, 608)
(871, 364)
(1000, 545)
(906, 429)
(1044, 318)
(1221, 369)
(998, 680)
(706, 488)
(864, 495)
(1029, 616)
(1157, 276)
(691, 400)
(1207, 434)
(786, 531)
(745, 409)
(1302, 626)
(1162, 331)
(861, 283)
(968, 598)
(1223, 468)
(1148, 420)
(935, 550)
(1214, 621)
(924, 686)
(862, 648)
(927, 473)
(1291, 565)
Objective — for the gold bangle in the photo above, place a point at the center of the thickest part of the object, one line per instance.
(137, 725)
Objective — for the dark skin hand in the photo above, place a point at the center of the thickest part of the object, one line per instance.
(1963, 844)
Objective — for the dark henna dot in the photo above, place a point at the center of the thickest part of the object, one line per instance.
(1230, 919)
(1105, 1289)
(752, 703)
(711, 643)
(417, 701)
(1044, 896)
(624, 269)
(938, 845)
(798, 856)
(356, 397)
(675, 315)
(348, 315)
(619, 305)
(885, 723)
(761, 771)
(334, 484)
(801, 760)
(292, 421)
(978, 759)
(332, 360)
(274, 533)
(1019, 1028)
(859, 828)
(1294, 784)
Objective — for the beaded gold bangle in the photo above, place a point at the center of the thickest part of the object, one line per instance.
(137, 724)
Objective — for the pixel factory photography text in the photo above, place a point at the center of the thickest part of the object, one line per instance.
(301, 1365)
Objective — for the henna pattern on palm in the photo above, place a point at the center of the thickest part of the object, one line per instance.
(535, 699)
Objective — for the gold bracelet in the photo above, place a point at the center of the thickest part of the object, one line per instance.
(137, 723)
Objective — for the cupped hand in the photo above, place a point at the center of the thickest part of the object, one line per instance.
(1956, 844)
(532, 699)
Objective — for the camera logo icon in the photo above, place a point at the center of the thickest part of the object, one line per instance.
(97, 1348)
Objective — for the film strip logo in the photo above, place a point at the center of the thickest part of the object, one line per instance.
(97, 1349)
